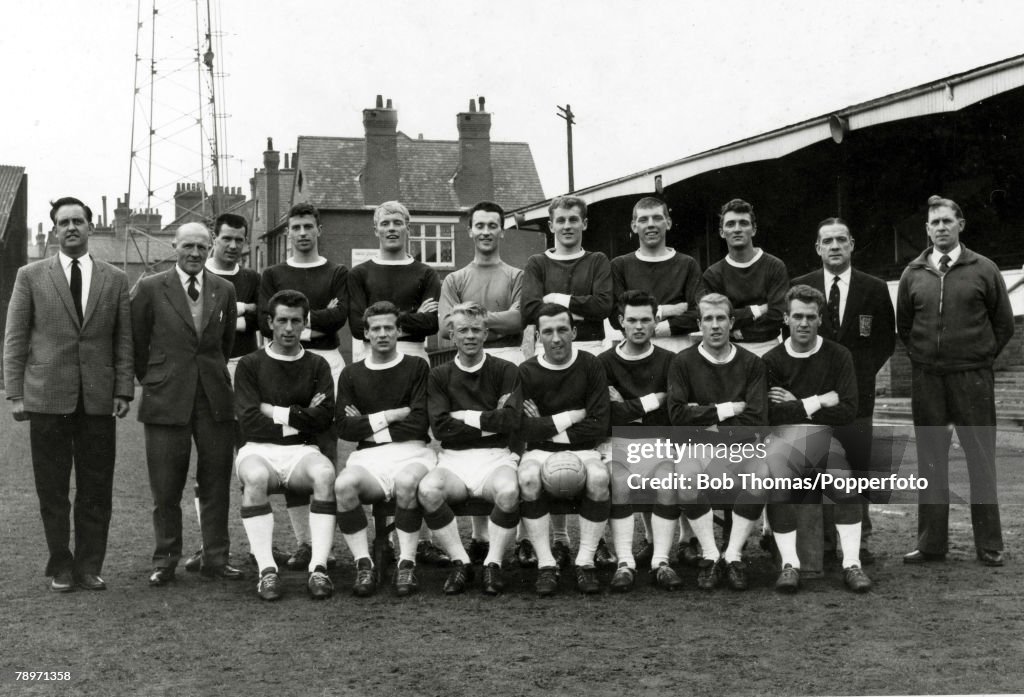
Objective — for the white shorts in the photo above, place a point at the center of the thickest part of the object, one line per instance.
(512, 354)
(542, 455)
(361, 349)
(476, 465)
(759, 348)
(383, 462)
(334, 360)
(282, 459)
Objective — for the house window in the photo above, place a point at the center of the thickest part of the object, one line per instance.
(432, 241)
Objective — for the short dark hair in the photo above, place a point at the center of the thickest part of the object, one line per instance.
(231, 220)
(553, 310)
(382, 307)
(650, 202)
(302, 209)
(834, 220)
(287, 298)
(637, 298)
(568, 202)
(938, 201)
(737, 205)
(68, 201)
(487, 207)
(805, 294)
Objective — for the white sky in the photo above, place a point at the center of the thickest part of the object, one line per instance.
(650, 81)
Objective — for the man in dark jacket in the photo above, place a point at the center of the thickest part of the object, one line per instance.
(954, 316)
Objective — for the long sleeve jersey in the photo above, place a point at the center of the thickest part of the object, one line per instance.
(321, 283)
(247, 291)
(375, 388)
(586, 277)
(672, 279)
(475, 391)
(763, 280)
(580, 384)
(826, 368)
(498, 289)
(289, 384)
(636, 378)
(406, 284)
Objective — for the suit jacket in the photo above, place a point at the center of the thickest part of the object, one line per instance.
(868, 329)
(49, 354)
(171, 359)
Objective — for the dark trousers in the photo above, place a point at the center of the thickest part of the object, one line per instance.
(168, 450)
(965, 399)
(88, 442)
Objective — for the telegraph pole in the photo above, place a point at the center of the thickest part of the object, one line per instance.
(568, 116)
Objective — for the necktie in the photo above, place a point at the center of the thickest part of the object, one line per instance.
(833, 306)
(76, 287)
(944, 263)
(193, 292)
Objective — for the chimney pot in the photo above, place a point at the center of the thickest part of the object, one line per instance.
(482, 102)
(389, 104)
(472, 106)
(270, 143)
(380, 101)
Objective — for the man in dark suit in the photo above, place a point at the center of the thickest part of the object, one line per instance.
(68, 370)
(183, 323)
(859, 315)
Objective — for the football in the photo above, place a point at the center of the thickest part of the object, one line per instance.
(563, 475)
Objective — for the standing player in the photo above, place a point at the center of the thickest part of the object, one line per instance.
(859, 315)
(578, 280)
(284, 397)
(812, 388)
(674, 279)
(230, 233)
(496, 286)
(566, 409)
(475, 403)
(637, 373)
(325, 284)
(382, 405)
(721, 388)
(954, 316)
(394, 276)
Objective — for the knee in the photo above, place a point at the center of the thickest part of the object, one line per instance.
(406, 485)
(431, 493)
(323, 480)
(598, 481)
(529, 481)
(346, 487)
(506, 495)
(254, 477)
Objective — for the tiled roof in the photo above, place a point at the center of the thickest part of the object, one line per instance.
(10, 181)
(330, 173)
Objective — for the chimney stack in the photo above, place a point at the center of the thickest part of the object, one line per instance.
(271, 162)
(104, 210)
(474, 180)
(380, 172)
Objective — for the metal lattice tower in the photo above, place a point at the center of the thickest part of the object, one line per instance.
(179, 134)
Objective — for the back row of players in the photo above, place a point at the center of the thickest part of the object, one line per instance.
(561, 399)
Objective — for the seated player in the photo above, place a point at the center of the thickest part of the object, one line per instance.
(284, 399)
(382, 405)
(719, 385)
(637, 373)
(475, 403)
(812, 388)
(565, 409)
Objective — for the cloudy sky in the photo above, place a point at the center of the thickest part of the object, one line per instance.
(649, 81)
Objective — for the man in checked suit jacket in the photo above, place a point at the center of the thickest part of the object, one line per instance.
(866, 327)
(68, 370)
(183, 323)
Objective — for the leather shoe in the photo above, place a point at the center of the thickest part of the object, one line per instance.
(91, 582)
(919, 557)
(62, 582)
(161, 576)
(194, 562)
(990, 557)
(225, 571)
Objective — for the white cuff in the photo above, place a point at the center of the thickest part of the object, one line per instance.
(662, 328)
(562, 437)
(755, 310)
(240, 308)
(649, 402)
(558, 298)
(306, 335)
(725, 411)
(472, 418)
(240, 324)
(658, 316)
(383, 436)
(281, 415)
(811, 405)
(562, 421)
(378, 422)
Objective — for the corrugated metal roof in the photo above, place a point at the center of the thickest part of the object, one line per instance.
(948, 94)
(330, 170)
(10, 182)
